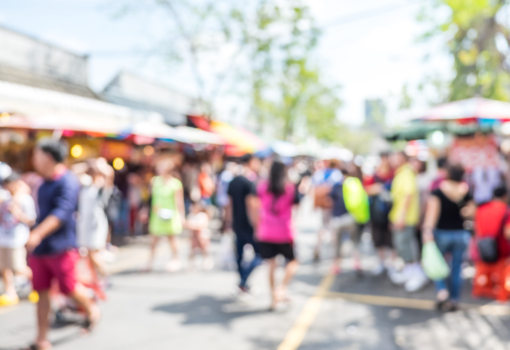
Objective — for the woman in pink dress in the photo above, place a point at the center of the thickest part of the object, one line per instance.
(274, 230)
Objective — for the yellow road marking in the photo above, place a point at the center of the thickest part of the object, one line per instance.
(420, 304)
(297, 333)
(384, 301)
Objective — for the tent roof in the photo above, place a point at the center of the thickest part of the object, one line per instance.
(473, 109)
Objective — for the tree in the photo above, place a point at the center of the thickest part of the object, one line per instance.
(266, 49)
(478, 41)
(288, 94)
(406, 101)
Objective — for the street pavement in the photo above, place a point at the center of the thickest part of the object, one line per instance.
(197, 309)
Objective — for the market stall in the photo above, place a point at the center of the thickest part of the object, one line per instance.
(473, 125)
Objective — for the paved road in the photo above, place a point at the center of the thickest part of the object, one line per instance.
(194, 310)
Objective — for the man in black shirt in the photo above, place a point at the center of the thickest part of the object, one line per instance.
(242, 193)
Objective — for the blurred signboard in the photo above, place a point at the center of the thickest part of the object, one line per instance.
(116, 149)
(476, 151)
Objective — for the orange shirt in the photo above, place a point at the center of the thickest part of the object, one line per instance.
(206, 185)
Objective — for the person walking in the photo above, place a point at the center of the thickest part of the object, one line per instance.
(275, 231)
(378, 188)
(206, 184)
(222, 199)
(198, 224)
(323, 181)
(404, 217)
(242, 210)
(350, 213)
(52, 242)
(447, 209)
(92, 225)
(167, 215)
(17, 215)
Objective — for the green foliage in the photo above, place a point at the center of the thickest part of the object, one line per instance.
(287, 88)
(478, 43)
(406, 101)
(358, 140)
(267, 48)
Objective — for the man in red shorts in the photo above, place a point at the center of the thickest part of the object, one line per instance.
(52, 243)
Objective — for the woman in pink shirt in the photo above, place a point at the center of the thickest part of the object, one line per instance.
(274, 230)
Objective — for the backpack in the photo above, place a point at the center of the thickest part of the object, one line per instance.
(112, 204)
(356, 200)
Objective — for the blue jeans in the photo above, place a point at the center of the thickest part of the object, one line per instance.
(454, 242)
(246, 269)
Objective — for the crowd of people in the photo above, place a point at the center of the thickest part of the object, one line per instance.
(48, 225)
(405, 207)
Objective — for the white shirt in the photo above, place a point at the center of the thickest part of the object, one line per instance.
(15, 234)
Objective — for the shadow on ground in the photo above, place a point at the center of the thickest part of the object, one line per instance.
(206, 309)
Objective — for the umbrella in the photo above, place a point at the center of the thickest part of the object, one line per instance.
(285, 149)
(341, 154)
(420, 130)
(14, 121)
(193, 135)
(239, 141)
(153, 129)
(64, 121)
(470, 110)
(413, 131)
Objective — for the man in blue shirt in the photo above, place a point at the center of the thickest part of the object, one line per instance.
(52, 242)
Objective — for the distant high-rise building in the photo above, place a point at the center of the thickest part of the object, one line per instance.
(375, 113)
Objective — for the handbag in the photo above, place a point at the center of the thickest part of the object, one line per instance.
(433, 262)
(488, 249)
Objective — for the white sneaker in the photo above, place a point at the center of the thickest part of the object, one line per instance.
(417, 281)
(243, 295)
(173, 266)
(400, 277)
(208, 263)
(378, 270)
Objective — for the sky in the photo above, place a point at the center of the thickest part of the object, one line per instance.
(368, 47)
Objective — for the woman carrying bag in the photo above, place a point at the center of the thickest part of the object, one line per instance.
(167, 212)
(447, 208)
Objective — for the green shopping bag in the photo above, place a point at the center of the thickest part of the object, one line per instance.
(433, 262)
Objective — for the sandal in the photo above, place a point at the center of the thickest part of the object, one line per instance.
(37, 347)
(89, 324)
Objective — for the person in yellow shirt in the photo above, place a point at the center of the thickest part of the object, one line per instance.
(404, 218)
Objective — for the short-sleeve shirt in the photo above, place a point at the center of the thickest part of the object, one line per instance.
(59, 198)
(488, 220)
(450, 217)
(163, 197)
(238, 189)
(206, 185)
(275, 225)
(14, 234)
(405, 184)
(327, 176)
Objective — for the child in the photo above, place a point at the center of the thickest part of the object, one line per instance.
(17, 215)
(198, 224)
